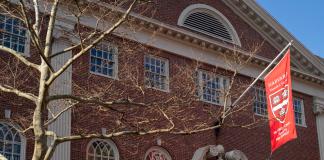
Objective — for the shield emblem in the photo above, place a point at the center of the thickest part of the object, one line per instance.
(279, 103)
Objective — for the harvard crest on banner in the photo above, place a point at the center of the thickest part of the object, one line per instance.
(279, 101)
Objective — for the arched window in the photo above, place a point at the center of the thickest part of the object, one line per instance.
(102, 149)
(11, 142)
(209, 21)
(157, 153)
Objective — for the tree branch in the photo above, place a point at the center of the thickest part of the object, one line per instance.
(37, 20)
(94, 101)
(197, 130)
(51, 148)
(20, 130)
(89, 136)
(105, 136)
(34, 36)
(50, 29)
(10, 89)
(50, 121)
(96, 41)
(19, 57)
(32, 32)
(74, 46)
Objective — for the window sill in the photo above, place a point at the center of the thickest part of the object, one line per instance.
(301, 125)
(25, 54)
(103, 75)
(162, 90)
(261, 115)
(213, 103)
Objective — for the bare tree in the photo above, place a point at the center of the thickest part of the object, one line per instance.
(131, 106)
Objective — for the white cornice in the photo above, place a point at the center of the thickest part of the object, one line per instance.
(213, 45)
(193, 39)
(181, 42)
(190, 38)
(273, 31)
(318, 105)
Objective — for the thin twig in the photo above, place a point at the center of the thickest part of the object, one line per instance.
(95, 42)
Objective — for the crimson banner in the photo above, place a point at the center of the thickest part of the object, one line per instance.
(280, 104)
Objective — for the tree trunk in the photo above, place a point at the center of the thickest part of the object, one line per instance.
(40, 147)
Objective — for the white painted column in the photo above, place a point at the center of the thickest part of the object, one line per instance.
(62, 85)
(319, 111)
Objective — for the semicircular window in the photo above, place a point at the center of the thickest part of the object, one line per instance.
(209, 24)
(102, 149)
(10, 142)
(209, 21)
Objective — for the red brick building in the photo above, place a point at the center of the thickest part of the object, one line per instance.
(164, 44)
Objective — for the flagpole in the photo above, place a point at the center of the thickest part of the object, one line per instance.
(261, 74)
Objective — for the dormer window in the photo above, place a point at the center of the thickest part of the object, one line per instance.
(207, 20)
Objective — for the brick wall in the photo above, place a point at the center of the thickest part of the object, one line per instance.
(89, 119)
(256, 142)
(17, 74)
(253, 141)
(23, 78)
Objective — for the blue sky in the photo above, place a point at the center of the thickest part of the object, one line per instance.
(304, 19)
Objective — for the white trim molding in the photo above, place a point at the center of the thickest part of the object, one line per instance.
(170, 42)
(319, 112)
(275, 33)
(215, 13)
(302, 111)
(27, 45)
(151, 31)
(318, 105)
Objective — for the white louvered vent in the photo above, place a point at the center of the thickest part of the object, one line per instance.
(207, 24)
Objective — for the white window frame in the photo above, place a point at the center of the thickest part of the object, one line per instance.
(26, 52)
(215, 13)
(302, 112)
(256, 99)
(222, 87)
(167, 83)
(160, 150)
(109, 142)
(22, 139)
(115, 68)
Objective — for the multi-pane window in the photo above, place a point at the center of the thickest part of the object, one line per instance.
(156, 72)
(260, 102)
(211, 87)
(100, 149)
(13, 34)
(103, 60)
(10, 142)
(299, 111)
